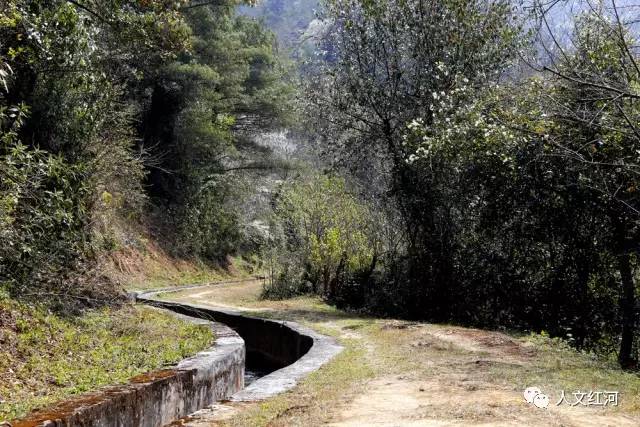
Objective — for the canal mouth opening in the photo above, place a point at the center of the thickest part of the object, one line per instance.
(270, 345)
(257, 365)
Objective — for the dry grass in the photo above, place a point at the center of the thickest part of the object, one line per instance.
(147, 266)
(406, 373)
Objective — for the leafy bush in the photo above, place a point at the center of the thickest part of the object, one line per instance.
(290, 282)
(43, 211)
(327, 235)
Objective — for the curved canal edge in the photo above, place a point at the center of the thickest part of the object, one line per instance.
(295, 349)
(161, 397)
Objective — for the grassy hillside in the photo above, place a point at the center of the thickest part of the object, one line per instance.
(46, 357)
(147, 265)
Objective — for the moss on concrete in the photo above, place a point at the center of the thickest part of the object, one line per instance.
(45, 357)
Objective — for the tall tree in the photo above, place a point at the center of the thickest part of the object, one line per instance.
(71, 74)
(388, 62)
(229, 83)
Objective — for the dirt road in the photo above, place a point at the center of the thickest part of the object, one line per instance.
(397, 373)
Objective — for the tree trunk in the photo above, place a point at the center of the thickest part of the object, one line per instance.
(582, 301)
(627, 308)
(333, 284)
(325, 280)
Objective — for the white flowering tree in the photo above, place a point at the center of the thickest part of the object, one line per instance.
(592, 98)
(386, 63)
(567, 138)
(517, 186)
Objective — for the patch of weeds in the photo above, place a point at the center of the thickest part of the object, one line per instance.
(312, 400)
(557, 366)
(45, 357)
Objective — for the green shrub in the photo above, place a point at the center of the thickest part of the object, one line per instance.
(43, 211)
(290, 282)
(328, 236)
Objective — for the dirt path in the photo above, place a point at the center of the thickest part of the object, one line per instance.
(458, 389)
(417, 374)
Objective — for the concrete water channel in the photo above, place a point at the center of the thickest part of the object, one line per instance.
(251, 359)
(278, 353)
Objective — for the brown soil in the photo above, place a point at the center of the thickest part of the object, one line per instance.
(426, 375)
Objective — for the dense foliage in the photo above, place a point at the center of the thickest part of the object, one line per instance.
(108, 109)
(228, 85)
(326, 237)
(516, 191)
